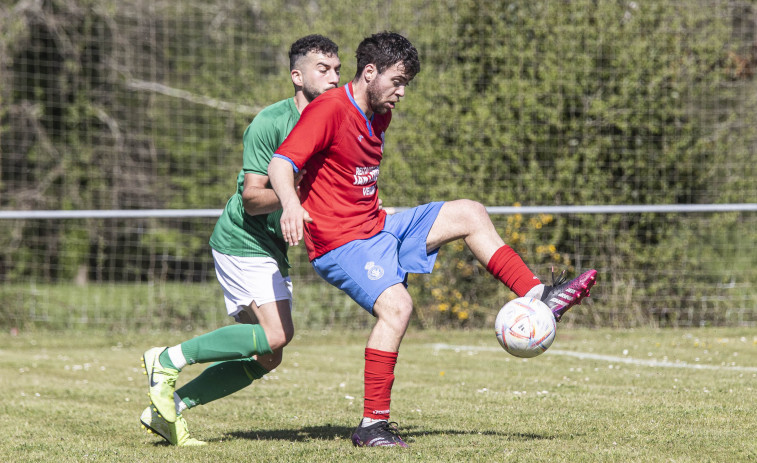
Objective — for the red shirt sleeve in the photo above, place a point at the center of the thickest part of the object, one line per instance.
(314, 132)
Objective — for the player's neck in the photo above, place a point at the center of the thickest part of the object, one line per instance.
(300, 101)
(360, 94)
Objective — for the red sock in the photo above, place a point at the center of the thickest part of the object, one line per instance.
(379, 377)
(507, 266)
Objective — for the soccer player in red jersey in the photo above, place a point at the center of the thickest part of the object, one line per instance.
(356, 246)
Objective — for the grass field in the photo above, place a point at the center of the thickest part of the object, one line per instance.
(595, 396)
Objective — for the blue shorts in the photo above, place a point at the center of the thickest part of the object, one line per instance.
(366, 268)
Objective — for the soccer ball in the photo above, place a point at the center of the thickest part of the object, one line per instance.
(525, 327)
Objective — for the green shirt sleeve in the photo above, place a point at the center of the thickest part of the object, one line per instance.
(264, 135)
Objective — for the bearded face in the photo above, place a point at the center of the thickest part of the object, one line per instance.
(319, 73)
(386, 89)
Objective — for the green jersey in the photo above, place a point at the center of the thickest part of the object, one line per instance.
(236, 233)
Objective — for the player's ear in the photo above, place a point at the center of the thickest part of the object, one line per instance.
(369, 72)
(296, 77)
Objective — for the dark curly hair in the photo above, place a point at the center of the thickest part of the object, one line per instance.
(386, 49)
(311, 43)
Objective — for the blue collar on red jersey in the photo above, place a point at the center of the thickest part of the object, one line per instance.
(348, 89)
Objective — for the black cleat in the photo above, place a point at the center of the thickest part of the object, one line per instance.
(381, 434)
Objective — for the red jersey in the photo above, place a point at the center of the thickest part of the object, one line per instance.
(341, 149)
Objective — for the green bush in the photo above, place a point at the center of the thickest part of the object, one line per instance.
(530, 102)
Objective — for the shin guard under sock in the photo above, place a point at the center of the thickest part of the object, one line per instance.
(231, 342)
(508, 267)
(220, 380)
(379, 378)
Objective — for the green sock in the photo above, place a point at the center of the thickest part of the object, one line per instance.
(220, 380)
(228, 343)
(165, 360)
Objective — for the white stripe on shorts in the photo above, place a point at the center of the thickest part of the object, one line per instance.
(247, 279)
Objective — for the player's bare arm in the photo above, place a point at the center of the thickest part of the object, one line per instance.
(282, 178)
(258, 198)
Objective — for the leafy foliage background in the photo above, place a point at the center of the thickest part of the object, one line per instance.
(141, 105)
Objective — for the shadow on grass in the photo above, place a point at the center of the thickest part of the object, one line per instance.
(329, 432)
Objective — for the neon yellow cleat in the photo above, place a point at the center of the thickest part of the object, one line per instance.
(175, 433)
(162, 383)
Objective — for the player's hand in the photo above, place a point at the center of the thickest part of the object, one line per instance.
(293, 219)
(297, 179)
(388, 210)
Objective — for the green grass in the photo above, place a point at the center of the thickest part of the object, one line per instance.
(77, 396)
(199, 306)
(138, 306)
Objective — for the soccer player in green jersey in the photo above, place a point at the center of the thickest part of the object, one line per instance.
(251, 264)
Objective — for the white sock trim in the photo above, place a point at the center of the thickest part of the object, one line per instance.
(177, 356)
(369, 421)
(179, 404)
(537, 292)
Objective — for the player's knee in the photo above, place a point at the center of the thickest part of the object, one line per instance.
(272, 360)
(288, 335)
(466, 212)
(280, 337)
(473, 210)
(396, 314)
(402, 312)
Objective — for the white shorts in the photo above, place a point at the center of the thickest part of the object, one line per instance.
(248, 279)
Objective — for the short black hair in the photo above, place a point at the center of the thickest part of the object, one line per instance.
(384, 50)
(311, 43)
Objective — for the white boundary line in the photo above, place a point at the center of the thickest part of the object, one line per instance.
(608, 358)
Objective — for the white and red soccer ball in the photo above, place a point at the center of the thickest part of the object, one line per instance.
(525, 327)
